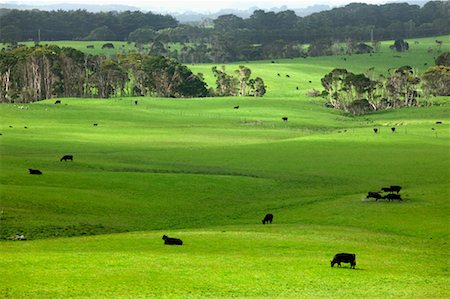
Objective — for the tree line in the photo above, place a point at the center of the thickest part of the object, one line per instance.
(263, 35)
(402, 87)
(29, 74)
(23, 25)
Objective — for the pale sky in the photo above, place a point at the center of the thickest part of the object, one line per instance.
(198, 5)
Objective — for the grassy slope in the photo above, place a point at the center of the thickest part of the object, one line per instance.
(207, 173)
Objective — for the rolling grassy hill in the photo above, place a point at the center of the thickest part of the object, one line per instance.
(202, 171)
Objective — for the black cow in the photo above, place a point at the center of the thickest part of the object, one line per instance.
(135, 102)
(34, 171)
(393, 130)
(375, 195)
(287, 76)
(392, 189)
(95, 125)
(236, 107)
(310, 81)
(439, 123)
(392, 196)
(267, 219)
(171, 241)
(284, 118)
(396, 189)
(344, 258)
(66, 158)
(278, 74)
(108, 46)
(296, 88)
(375, 130)
(58, 102)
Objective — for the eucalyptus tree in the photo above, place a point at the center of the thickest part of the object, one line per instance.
(167, 78)
(436, 80)
(354, 93)
(7, 63)
(243, 77)
(110, 79)
(226, 85)
(257, 88)
(401, 86)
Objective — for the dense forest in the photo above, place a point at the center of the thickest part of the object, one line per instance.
(356, 21)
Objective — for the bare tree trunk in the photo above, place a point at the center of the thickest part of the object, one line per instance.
(47, 78)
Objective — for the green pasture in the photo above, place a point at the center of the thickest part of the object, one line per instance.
(119, 46)
(421, 56)
(199, 170)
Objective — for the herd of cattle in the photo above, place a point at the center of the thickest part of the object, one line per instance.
(391, 196)
(390, 193)
(268, 218)
(337, 259)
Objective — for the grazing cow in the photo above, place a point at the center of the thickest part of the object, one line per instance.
(34, 171)
(392, 196)
(375, 195)
(95, 125)
(171, 241)
(396, 189)
(296, 88)
(278, 75)
(273, 61)
(375, 130)
(108, 46)
(25, 127)
(386, 189)
(58, 102)
(66, 158)
(284, 118)
(425, 64)
(344, 258)
(236, 107)
(393, 130)
(287, 76)
(310, 81)
(135, 102)
(439, 123)
(267, 219)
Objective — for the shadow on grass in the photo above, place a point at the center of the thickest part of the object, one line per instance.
(348, 268)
